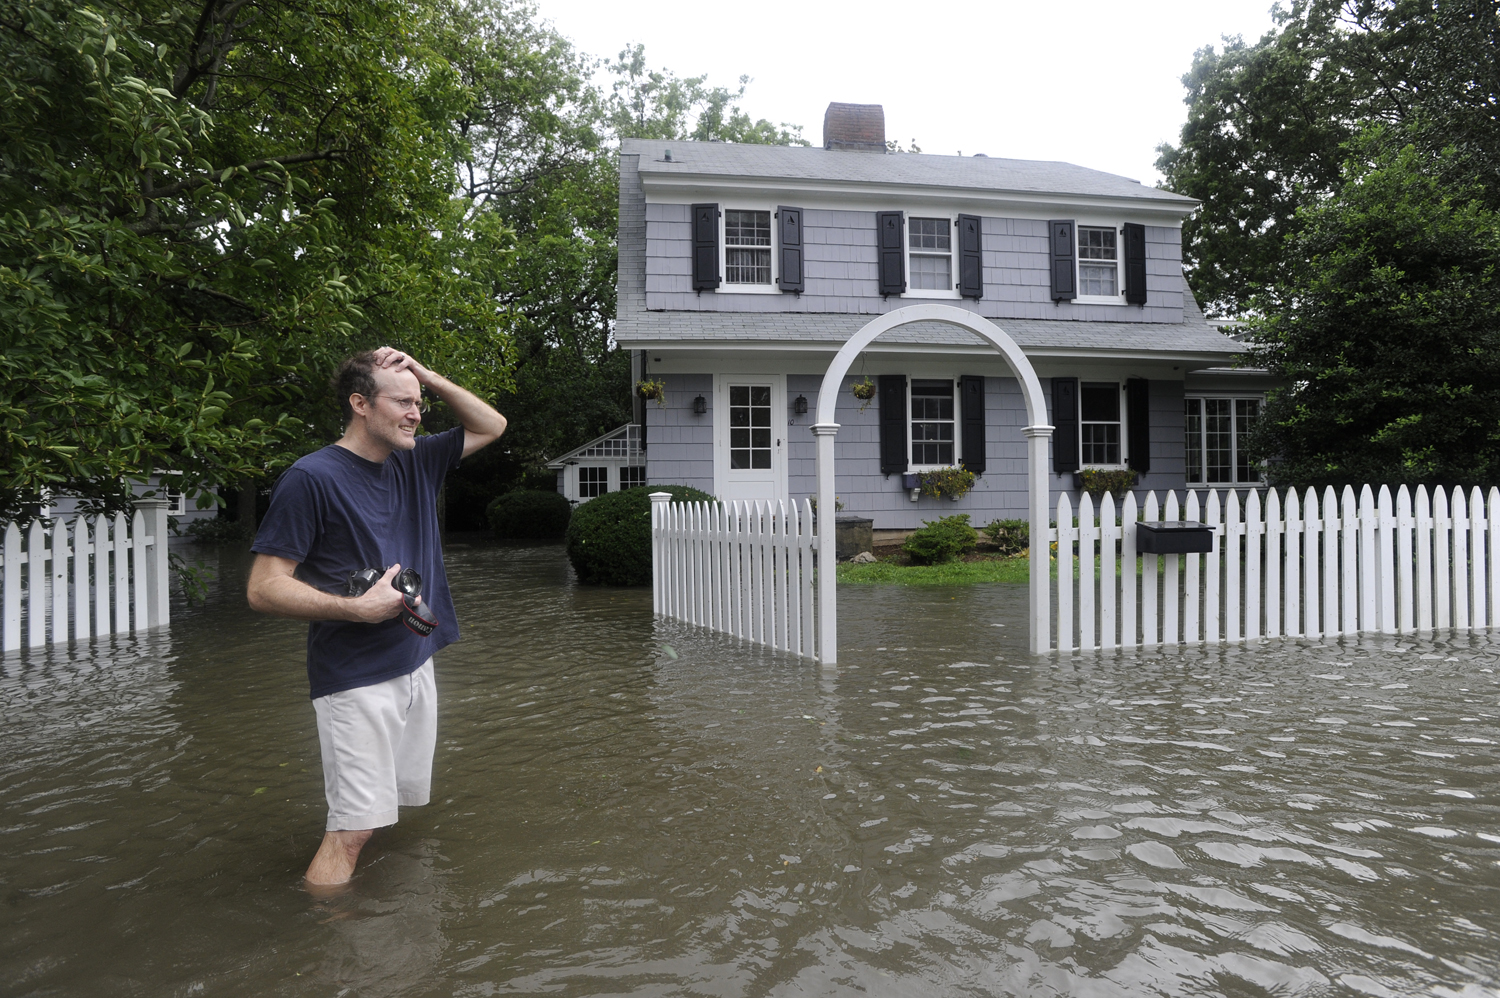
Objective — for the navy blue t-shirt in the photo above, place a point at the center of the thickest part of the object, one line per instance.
(333, 512)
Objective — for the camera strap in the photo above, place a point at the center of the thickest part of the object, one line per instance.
(413, 621)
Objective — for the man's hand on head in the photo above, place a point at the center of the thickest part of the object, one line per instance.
(381, 602)
(390, 357)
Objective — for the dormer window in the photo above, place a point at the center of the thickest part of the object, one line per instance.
(747, 247)
(930, 246)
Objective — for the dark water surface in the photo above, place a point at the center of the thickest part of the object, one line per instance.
(623, 807)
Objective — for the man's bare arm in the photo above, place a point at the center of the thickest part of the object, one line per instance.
(482, 424)
(274, 589)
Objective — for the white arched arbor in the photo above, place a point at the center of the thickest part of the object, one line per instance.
(1037, 433)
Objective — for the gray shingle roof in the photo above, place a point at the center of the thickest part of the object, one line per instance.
(1194, 336)
(732, 160)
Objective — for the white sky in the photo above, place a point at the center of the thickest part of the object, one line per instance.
(1088, 82)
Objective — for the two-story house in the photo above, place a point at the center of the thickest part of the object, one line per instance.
(743, 268)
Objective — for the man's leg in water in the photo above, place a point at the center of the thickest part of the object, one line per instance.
(334, 863)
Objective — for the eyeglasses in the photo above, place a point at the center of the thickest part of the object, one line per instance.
(421, 404)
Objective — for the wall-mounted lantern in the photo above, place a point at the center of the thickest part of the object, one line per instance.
(700, 405)
(800, 405)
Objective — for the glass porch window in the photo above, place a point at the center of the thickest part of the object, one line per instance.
(749, 427)
(932, 423)
(1099, 411)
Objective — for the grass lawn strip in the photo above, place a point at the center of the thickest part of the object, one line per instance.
(953, 573)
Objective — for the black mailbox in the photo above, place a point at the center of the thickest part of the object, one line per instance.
(1174, 537)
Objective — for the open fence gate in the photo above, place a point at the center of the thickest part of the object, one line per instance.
(747, 568)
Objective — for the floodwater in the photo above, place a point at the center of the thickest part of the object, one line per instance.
(626, 807)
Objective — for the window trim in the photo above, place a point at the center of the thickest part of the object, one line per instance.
(930, 293)
(1124, 428)
(1234, 443)
(958, 442)
(1079, 224)
(749, 289)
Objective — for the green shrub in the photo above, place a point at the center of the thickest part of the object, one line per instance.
(1096, 482)
(941, 540)
(1010, 536)
(529, 514)
(944, 483)
(609, 539)
(219, 530)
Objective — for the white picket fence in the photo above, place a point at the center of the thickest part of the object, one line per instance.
(1291, 567)
(744, 568)
(84, 577)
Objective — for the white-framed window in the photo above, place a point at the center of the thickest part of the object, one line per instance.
(930, 244)
(1098, 261)
(1216, 430)
(748, 250)
(593, 482)
(1100, 426)
(749, 427)
(933, 437)
(632, 476)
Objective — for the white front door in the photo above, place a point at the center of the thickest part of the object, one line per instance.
(750, 436)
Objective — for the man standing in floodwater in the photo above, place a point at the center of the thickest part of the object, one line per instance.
(369, 502)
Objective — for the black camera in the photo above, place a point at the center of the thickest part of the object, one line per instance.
(408, 583)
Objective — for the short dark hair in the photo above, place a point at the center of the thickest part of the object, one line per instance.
(355, 376)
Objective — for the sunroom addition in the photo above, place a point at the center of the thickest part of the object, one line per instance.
(609, 463)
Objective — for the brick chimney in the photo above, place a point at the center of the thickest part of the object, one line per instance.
(854, 127)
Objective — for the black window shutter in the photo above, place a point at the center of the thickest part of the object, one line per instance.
(1064, 274)
(890, 229)
(971, 391)
(789, 236)
(970, 257)
(1065, 424)
(1138, 411)
(705, 247)
(1135, 263)
(891, 390)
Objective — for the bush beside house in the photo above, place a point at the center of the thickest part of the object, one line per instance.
(609, 538)
(529, 514)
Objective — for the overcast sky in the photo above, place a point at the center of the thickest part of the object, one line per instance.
(1088, 82)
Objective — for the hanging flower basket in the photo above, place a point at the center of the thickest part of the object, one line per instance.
(652, 391)
(864, 391)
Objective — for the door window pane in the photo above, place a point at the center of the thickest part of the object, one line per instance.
(749, 427)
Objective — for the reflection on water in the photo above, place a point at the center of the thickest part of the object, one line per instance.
(627, 807)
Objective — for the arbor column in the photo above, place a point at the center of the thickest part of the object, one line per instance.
(1040, 561)
(828, 628)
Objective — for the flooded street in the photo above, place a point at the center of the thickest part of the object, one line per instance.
(622, 806)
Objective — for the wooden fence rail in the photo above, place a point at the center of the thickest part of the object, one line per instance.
(1289, 566)
(83, 577)
(745, 568)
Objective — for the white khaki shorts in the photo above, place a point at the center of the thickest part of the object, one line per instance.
(377, 746)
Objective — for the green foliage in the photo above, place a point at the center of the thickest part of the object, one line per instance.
(953, 573)
(609, 538)
(1096, 482)
(219, 530)
(941, 540)
(1268, 124)
(1387, 331)
(656, 104)
(1009, 536)
(529, 514)
(205, 205)
(946, 482)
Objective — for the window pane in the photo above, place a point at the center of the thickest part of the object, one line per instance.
(1101, 443)
(592, 482)
(1217, 441)
(1245, 413)
(632, 477)
(747, 228)
(749, 426)
(1096, 277)
(1100, 402)
(1096, 244)
(931, 273)
(930, 234)
(1193, 445)
(932, 428)
(1096, 280)
(747, 266)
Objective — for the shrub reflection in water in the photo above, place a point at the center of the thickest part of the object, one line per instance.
(626, 807)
